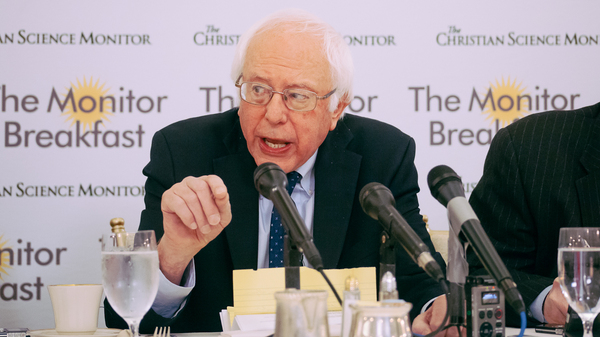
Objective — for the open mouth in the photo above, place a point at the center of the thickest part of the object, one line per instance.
(274, 144)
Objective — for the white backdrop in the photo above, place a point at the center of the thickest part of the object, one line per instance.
(425, 67)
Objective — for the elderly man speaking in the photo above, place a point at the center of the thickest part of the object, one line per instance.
(294, 74)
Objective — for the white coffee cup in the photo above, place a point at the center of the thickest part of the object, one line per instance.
(75, 307)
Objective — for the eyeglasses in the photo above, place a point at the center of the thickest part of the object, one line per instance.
(294, 99)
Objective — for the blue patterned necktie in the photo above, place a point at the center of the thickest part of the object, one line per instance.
(277, 230)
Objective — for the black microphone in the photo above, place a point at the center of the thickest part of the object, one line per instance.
(271, 182)
(446, 187)
(378, 202)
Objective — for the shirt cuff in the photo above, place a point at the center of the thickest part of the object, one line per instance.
(428, 304)
(536, 308)
(171, 298)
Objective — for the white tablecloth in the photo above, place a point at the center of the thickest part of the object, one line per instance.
(509, 333)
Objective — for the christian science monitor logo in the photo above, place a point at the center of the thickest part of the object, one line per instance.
(88, 106)
(455, 37)
(213, 35)
(24, 37)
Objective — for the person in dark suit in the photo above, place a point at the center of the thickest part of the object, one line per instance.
(541, 173)
(200, 195)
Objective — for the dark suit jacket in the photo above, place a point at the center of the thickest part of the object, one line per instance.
(541, 173)
(357, 152)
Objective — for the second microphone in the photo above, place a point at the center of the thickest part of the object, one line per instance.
(378, 202)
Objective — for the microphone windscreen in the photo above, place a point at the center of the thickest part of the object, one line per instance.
(440, 176)
(374, 195)
(268, 176)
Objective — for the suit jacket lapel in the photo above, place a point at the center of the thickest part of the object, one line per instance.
(237, 171)
(336, 175)
(588, 187)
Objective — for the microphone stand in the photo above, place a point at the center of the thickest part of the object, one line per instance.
(387, 257)
(292, 261)
(456, 274)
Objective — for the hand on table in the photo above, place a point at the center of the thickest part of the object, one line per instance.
(432, 318)
(555, 305)
(195, 211)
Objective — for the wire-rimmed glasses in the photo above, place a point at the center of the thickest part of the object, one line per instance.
(295, 99)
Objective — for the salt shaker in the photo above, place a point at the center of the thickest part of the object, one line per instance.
(387, 288)
(351, 296)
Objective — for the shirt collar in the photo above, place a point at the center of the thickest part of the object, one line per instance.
(307, 171)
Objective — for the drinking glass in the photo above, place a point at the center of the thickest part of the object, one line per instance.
(130, 274)
(579, 272)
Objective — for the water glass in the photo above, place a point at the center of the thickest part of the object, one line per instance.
(579, 272)
(130, 274)
(301, 313)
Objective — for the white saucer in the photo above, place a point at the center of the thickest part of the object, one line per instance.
(53, 333)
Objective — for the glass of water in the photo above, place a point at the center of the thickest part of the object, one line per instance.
(579, 272)
(130, 274)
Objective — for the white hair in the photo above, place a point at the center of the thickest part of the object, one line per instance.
(334, 47)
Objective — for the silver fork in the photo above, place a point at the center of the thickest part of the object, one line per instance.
(162, 332)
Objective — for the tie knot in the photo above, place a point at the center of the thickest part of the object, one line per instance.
(293, 178)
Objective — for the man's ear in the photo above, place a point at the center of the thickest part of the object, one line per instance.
(337, 113)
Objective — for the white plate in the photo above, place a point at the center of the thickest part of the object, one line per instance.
(53, 333)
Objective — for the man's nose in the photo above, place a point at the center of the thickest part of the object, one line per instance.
(276, 109)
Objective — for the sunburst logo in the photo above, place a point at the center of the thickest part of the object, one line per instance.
(508, 102)
(4, 258)
(92, 103)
